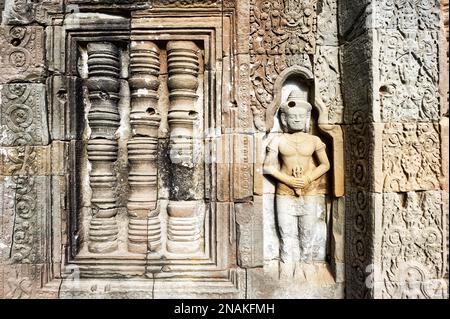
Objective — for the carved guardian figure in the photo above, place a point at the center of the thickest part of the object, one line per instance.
(298, 160)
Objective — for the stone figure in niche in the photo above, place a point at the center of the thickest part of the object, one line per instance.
(298, 161)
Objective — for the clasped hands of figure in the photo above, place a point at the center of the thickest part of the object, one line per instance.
(297, 182)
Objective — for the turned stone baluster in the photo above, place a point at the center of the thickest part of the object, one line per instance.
(103, 86)
(144, 228)
(184, 232)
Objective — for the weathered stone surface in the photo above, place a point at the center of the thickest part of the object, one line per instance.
(65, 122)
(358, 17)
(337, 239)
(152, 288)
(34, 160)
(315, 282)
(392, 55)
(327, 23)
(356, 63)
(363, 164)
(282, 36)
(22, 49)
(444, 58)
(22, 281)
(250, 241)
(243, 167)
(404, 15)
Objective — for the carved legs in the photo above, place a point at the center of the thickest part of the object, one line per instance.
(103, 85)
(302, 230)
(144, 229)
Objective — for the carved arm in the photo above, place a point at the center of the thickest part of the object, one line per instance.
(324, 165)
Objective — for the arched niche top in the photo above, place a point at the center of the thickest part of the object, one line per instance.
(294, 71)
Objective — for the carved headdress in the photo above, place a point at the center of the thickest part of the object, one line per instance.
(297, 98)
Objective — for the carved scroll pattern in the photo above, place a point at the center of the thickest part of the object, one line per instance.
(103, 117)
(359, 255)
(360, 167)
(28, 11)
(22, 115)
(24, 241)
(359, 204)
(144, 229)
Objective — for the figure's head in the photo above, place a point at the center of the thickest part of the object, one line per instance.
(295, 114)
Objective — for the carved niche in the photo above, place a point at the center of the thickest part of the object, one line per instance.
(294, 61)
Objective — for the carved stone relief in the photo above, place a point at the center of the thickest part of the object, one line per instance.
(20, 12)
(391, 56)
(412, 245)
(143, 148)
(404, 15)
(23, 119)
(149, 204)
(328, 82)
(408, 75)
(359, 244)
(282, 34)
(299, 200)
(411, 155)
(185, 208)
(327, 29)
(103, 85)
(22, 53)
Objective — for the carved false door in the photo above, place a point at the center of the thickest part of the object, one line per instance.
(146, 203)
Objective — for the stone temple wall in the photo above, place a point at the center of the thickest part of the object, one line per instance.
(224, 149)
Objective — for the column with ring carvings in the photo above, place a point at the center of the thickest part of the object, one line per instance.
(144, 228)
(186, 208)
(103, 86)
